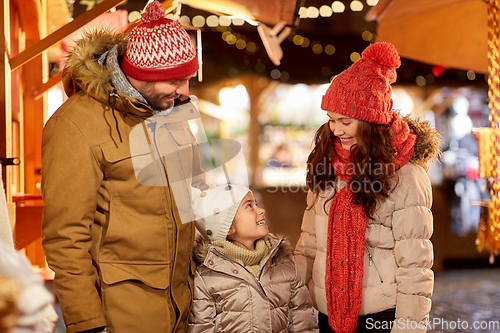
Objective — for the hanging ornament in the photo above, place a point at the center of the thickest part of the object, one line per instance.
(488, 237)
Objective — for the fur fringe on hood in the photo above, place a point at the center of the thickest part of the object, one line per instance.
(427, 145)
(200, 250)
(82, 71)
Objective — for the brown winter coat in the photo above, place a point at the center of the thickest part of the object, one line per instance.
(121, 256)
(399, 273)
(228, 298)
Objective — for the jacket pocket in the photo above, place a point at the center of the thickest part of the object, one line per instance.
(117, 162)
(374, 264)
(155, 276)
(138, 232)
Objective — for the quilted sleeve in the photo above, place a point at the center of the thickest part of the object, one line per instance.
(302, 317)
(412, 230)
(202, 316)
(305, 250)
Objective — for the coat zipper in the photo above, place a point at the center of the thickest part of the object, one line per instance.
(372, 262)
(261, 271)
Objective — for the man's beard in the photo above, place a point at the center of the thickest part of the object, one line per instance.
(160, 104)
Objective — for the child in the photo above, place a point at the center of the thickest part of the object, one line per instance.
(365, 245)
(245, 279)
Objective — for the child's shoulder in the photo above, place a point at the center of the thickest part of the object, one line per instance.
(200, 250)
(285, 249)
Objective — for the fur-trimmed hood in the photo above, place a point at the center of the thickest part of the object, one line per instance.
(280, 249)
(427, 145)
(82, 70)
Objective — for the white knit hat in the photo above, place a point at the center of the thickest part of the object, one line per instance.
(215, 208)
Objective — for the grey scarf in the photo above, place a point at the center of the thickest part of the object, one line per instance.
(120, 81)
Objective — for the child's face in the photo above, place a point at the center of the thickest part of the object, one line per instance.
(344, 128)
(249, 222)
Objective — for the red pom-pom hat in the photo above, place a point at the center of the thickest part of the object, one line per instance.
(159, 49)
(363, 91)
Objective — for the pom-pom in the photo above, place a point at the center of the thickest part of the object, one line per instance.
(154, 11)
(383, 54)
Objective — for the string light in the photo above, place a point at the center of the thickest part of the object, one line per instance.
(325, 11)
(356, 6)
(338, 7)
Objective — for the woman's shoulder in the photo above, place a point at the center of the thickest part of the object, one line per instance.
(413, 186)
(413, 172)
(323, 195)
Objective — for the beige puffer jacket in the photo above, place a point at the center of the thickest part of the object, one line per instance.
(228, 298)
(398, 256)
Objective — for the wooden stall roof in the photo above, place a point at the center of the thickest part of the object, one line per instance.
(452, 33)
(270, 12)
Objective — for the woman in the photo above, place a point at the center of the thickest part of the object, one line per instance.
(365, 248)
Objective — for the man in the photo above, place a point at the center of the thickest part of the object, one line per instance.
(119, 248)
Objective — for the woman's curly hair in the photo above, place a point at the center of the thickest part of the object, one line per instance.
(373, 157)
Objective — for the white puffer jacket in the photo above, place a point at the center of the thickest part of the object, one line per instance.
(398, 256)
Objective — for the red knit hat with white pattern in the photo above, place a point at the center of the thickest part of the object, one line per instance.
(159, 49)
(363, 91)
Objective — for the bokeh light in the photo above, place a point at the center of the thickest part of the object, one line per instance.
(366, 35)
(132, 16)
(355, 56)
(224, 21)
(420, 81)
(251, 47)
(356, 6)
(275, 74)
(241, 44)
(238, 22)
(317, 48)
(185, 20)
(325, 11)
(312, 12)
(213, 21)
(471, 75)
(298, 39)
(303, 12)
(338, 7)
(198, 21)
(329, 49)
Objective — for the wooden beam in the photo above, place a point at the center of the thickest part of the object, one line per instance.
(62, 32)
(29, 13)
(5, 93)
(38, 92)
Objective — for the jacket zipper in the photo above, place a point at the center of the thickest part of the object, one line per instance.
(256, 278)
(262, 270)
(372, 262)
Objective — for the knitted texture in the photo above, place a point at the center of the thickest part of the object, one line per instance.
(345, 250)
(250, 259)
(215, 208)
(159, 49)
(363, 91)
(346, 235)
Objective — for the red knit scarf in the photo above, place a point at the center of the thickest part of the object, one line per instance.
(346, 234)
